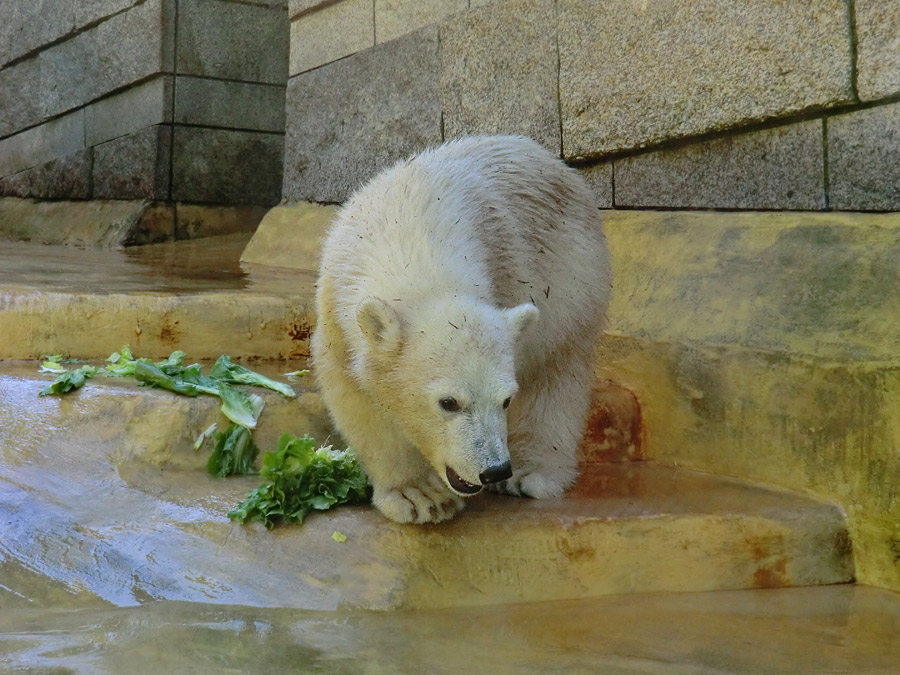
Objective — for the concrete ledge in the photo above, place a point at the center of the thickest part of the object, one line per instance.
(820, 285)
(765, 346)
(111, 224)
(628, 528)
(290, 235)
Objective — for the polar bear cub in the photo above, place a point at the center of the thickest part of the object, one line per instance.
(460, 298)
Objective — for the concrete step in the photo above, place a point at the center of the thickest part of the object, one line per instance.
(103, 499)
(190, 295)
(802, 631)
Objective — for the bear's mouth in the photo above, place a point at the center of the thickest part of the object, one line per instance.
(461, 486)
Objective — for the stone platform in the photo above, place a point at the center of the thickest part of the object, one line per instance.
(104, 498)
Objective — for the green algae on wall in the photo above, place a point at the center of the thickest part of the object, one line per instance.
(767, 346)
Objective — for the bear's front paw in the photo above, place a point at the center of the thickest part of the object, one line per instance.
(536, 484)
(424, 503)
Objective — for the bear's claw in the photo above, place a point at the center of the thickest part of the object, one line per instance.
(430, 502)
(537, 484)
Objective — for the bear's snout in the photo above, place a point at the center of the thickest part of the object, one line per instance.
(496, 473)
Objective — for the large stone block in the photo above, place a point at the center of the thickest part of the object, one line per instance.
(349, 119)
(30, 24)
(636, 73)
(877, 48)
(134, 109)
(394, 18)
(89, 11)
(331, 33)
(20, 100)
(233, 41)
(237, 105)
(64, 178)
(296, 7)
(38, 145)
(134, 166)
(864, 159)
(780, 168)
(226, 167)
(499, 71)
(600, 178)
(115, 53)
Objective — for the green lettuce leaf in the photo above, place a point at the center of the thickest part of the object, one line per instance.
(226, 371)
(151, 375)
(301, 479)
(234, 453)
(70, 380)
(241, 408)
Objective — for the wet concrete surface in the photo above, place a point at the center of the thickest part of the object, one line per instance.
(102, 492)
(191, 266)
(837, 629)
(189, 295)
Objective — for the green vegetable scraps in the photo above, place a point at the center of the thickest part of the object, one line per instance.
(171, 374)
(338, 536)
(69, 380)
(226, 371)
(234, 453)
(300, 479)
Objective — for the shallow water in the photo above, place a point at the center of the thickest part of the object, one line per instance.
(178, 267)
(807, 630)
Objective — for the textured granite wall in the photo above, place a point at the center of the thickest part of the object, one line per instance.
(143, 99)
(674, 104)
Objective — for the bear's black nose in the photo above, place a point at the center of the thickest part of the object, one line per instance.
(495, 474)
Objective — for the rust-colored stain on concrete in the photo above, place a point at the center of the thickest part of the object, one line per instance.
(772, 576)
(615, 427)
(169, 332)
(772, 573)
(300, 332)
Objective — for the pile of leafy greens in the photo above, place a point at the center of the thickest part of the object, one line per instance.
(300, 477)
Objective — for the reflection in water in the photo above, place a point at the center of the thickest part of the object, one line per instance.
(210, 264)
(806, 630)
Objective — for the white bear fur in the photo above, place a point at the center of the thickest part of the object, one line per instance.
(427, 288)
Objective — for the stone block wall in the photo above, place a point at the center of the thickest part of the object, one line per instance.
(174, 100)
(670, 104)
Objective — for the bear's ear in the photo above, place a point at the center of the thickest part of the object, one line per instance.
(521, 318)
(380, 324)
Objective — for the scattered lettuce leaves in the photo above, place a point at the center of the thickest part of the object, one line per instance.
(53, 367)
(149, 374)
(69, 380)
(122, 364)
(234, 452)
(295, 375)
(232, 373)
(207, 433)
(339, 536)
(241, 408)
(300, 479)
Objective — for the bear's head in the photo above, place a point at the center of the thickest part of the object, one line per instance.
(445, 373)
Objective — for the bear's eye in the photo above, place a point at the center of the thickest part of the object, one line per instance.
(506, 402)
(449, 404)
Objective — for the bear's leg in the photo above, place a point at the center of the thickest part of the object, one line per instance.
(406, 488)
(546, 423)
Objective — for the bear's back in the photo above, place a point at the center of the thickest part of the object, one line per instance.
(498, 217)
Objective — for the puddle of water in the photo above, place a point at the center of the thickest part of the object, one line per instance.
(811, 630)
(210, 264)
